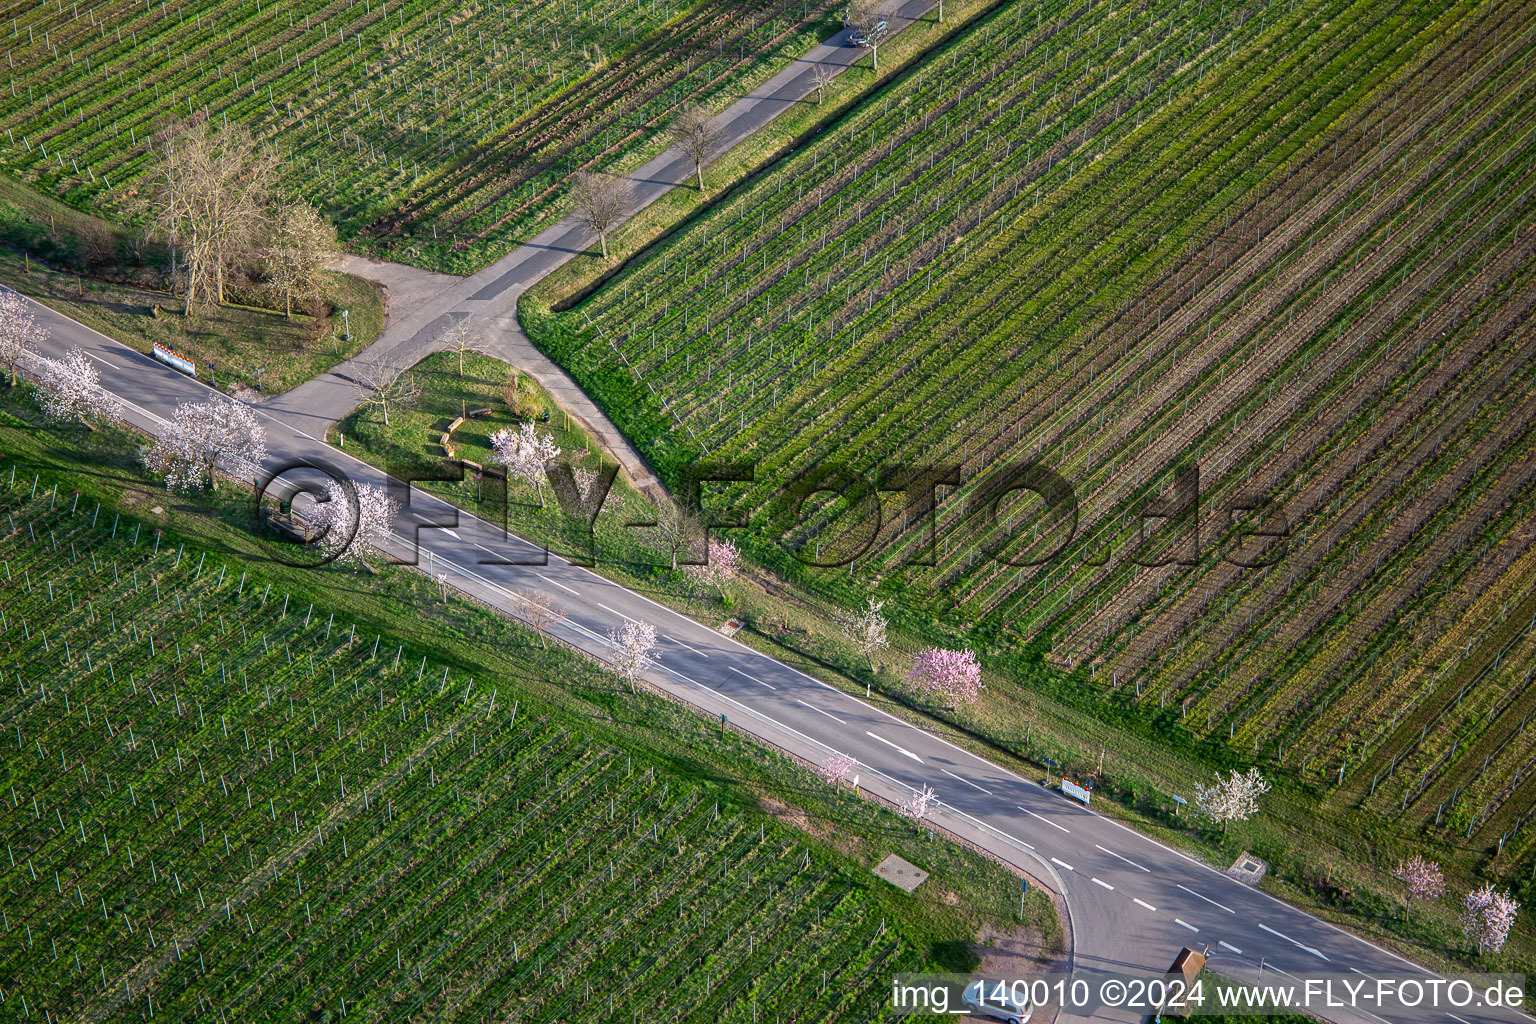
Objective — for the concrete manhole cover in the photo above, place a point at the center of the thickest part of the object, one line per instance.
(900, 873)
(1248, 868)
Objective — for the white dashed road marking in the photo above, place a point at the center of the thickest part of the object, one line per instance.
(1048, 821)
(557, 583)
(756, 680)
(1105, 884)
(1128, 860)
(965, 780)
(616, 612)
(818, 710)
(1207, 899)
(1186, 924)
(1229, 946)
(1143, 903)
(679, 643)
(1058, 860)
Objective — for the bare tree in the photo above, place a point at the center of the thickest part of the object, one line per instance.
(519, 393)
(822, 77)
(380, 384)
(863, 17)
(19, 331)
(300, 247)
(599, 201)
(189, 446)
(213, 189)
(539, 611)
(694, 133)
(677, 530)
(460, 336)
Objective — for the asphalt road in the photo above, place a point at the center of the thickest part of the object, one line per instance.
(1132, 902)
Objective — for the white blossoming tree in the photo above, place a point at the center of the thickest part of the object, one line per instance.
(19, 332)
(1235, 798)
(357, 524)
(525, 453)
(201, 436)
(72, 391)
(919, 803)
(1487, 915)
(634, 646)
(865, 631)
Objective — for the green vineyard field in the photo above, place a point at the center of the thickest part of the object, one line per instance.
(433, 133)
(215, 788)
(1288, 245)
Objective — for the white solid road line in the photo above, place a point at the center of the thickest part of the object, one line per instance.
(1227, 945)
(1144, 903)
(1128, 860)
(1062, 863)
(952, 775)
(756, 680)
(1186, 924)
(1048, 821)
(557, 583)
(818, 710)
(679, 643)
(1206, 898)
(888, 743)
(1105, 884)
(98, 358)
(1454, 1017)
(1293, 942)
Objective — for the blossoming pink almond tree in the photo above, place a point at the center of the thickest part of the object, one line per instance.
(835, 769)
(1422, 879)
(722, 562)
(953, 675)
(1487, 915)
